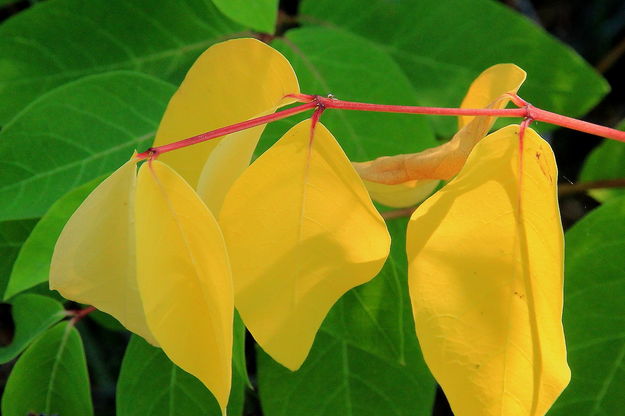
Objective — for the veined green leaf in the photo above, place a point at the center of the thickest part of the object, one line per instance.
(32, 265)
(40, 48)
(32, 314)
(50, 377)
(104, 119)
(151, 385)
(594, 316)
(440, 45)
(603, 163)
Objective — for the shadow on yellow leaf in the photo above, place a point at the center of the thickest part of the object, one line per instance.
(301, 231)
(94, 257)
(149, 252)
(184, 277)
(485, 260)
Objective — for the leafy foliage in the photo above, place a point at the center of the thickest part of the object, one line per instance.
(604, 163)
(260, 15)
(32, 265)
(103, 35)
(50, 377)
(593, 314)
(117, 112)
(344, 243)
(151, 385)
(32, 314)
(12, 236)
(489, 314)
(440, 48)
(84, 84)
(365, 359)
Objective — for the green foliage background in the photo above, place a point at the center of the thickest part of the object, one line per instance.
(84, 83)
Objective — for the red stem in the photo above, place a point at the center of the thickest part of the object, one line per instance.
(81, 313)
(572, 123)
(410, 109)
(526, 111)
(155, 151)
(320, 103)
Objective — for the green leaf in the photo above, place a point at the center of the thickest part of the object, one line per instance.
(605, 162)
(366, 359)
(352, 68)
(32, 314)
(32, 265)
(443, 45)
(239, 363)
(12, 236)
(74, 134)
(107, 321)
(50, 377)
(151, 385)
(594, 313)
(260, 15)
(58, 41)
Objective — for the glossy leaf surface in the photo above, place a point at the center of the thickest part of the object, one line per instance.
(32, 314)
(94, 257)
(184, 277)
(301, 231)
(486, 280)
(41, 49)
(50, 377)
(229, 83)
(32, 265)
(105, 118)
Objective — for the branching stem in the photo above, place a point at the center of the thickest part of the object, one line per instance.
(319, 104)
(81, 313)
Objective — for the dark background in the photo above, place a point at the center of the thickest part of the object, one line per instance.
(595, 29)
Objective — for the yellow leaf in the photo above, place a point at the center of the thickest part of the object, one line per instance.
(301, 231)
(489, 86)
(445, 161)
(485, 273)
(94, 257)
(225, 164)
(404, 194)
(231, 82)
(184, 277)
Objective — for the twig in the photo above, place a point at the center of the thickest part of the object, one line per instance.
(575, 188)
